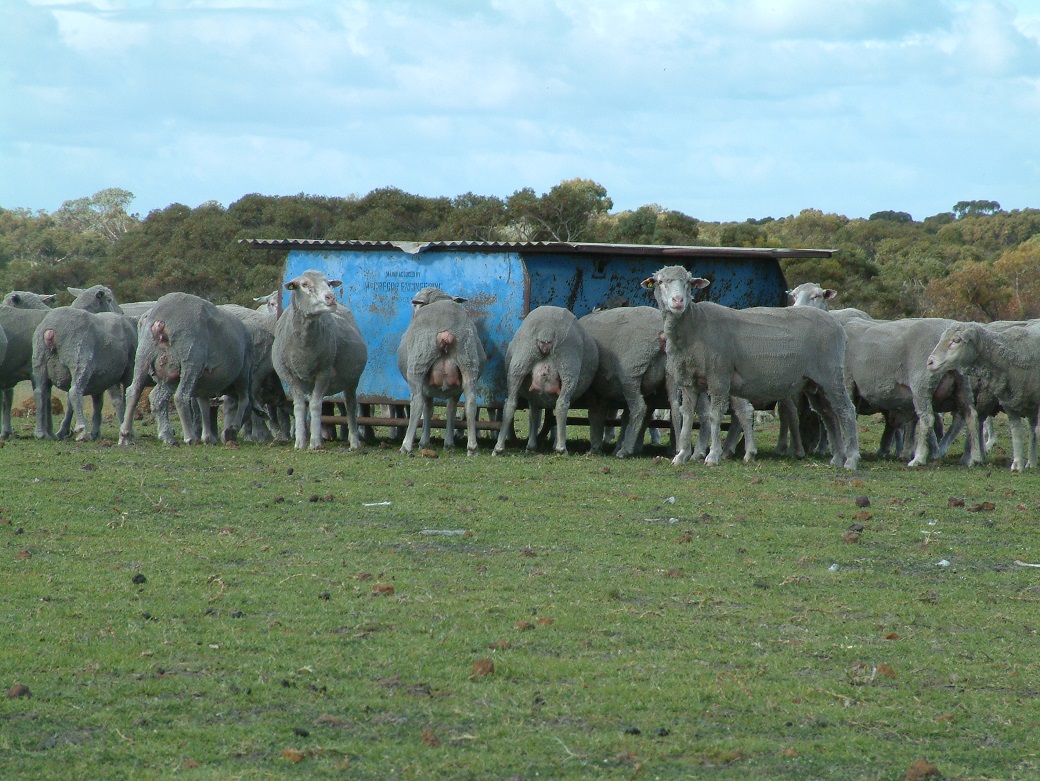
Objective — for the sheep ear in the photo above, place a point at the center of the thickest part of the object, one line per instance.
(292, 285)
(699, 282)
(647, 284)
(49, 298)
(335, 282)
(75, 290)
(459, 299)
(828, 294)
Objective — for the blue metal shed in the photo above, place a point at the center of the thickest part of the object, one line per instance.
(503, 281)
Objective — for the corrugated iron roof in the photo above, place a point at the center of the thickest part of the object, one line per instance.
(561, 247)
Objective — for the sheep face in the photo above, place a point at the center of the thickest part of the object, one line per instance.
(673, 288)
(956, 349)
(312, 293)
(811, 294)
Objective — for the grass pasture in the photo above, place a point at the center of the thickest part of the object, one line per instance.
(253, 612)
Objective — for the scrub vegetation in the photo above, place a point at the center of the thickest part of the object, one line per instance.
(974, 262)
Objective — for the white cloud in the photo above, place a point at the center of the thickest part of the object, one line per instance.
(718, 108)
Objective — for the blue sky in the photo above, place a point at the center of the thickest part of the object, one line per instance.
(721, 109)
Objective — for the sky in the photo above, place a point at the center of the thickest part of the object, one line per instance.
(721, 109)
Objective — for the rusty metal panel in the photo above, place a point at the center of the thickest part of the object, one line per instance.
(378, 287)
(582, 282)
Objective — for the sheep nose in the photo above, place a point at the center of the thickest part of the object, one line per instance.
(330, 299)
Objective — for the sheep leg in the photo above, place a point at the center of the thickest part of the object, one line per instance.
(689, 407)
(74, 395)
(788, 412)
(160, 404)
(956, 425)
(675, 412)
(6, 402)
(414, 411)
(703, 433)
(1015, 422)
(783, 445)
(427, 420)
(351, 405)
(208, 417)
(42, 392)
(655, 432)
(239, 408)
(925, 423)
(964, 401)
(508, 413)
(317, 397)
(469, 386)
(827, 408)
(846, 441)
(184, 401)
(449, 422)
(1034, 424)
(597, 426)
(534, 424)
(733, 435)
(98, 402)
(636, 424)
(989, 431)
(300, 413)
(718, 398)
(132, 396)
(744, 412)
(563, 407)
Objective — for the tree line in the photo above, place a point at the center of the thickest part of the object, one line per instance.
(975, 262)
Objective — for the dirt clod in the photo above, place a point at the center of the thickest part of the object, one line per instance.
(17, 691)
(920, 770)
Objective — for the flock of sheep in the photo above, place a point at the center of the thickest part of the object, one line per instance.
(696, 359)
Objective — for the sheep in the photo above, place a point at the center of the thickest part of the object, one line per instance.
(550, 362)
(318, 351)
(24, 299)
(440, 355)
(761, 354)
(85, 354)
(1008, 360)
(886, 371)
(267, 387)
(631, 369)
(20, 323)
(194, 351)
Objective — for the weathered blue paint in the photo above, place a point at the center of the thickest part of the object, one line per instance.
(378, 288)
(582, 282)
(502, 283)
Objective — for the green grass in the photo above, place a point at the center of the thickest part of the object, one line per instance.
(631, 637)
